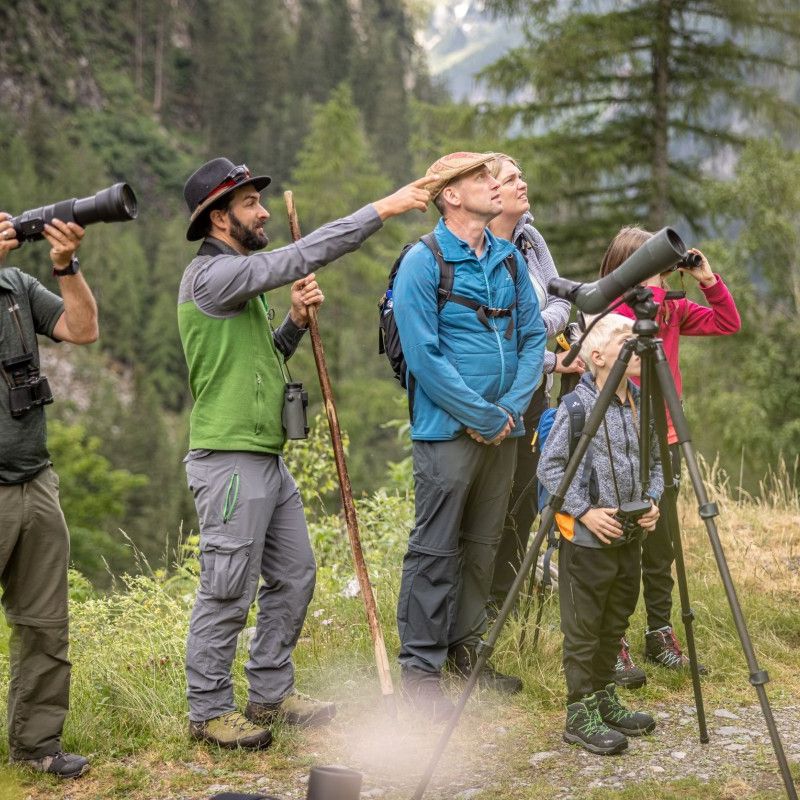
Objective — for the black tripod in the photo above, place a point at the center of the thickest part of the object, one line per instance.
(658, 386)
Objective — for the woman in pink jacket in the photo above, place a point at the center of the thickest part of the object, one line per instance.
(675, 318)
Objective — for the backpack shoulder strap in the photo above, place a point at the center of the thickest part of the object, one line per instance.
(446, 270)
(577, 418)
(510, 263)
(395, 268)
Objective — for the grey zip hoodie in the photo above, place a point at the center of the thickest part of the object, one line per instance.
(541, 270)
(595, 487)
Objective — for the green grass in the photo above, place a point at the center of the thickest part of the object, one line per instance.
(128, 691)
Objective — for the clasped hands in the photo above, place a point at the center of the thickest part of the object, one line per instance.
(507, 428)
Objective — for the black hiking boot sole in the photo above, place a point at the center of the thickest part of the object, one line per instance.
(632, 731)
(628, 682)
(232, 745)
(572, 738)
(240, 745)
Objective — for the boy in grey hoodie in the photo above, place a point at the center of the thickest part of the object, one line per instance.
(599, 563)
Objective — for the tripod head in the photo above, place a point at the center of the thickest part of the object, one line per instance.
(640, 299)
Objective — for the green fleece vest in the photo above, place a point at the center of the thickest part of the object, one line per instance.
(235, 378)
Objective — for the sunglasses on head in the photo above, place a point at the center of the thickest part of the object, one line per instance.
(236, 175)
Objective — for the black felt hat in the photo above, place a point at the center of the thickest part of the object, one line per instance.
(214, 180)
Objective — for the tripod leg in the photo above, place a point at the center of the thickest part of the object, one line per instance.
(546, 520)
(670, 508)
(526, 608)
(708, 510)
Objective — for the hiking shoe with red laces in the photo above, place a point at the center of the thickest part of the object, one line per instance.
(662, 647)
(626, 673)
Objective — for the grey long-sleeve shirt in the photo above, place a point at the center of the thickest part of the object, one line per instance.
(221, 284)
(541, 270)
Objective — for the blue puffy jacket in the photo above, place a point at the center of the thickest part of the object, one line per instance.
(465, 374)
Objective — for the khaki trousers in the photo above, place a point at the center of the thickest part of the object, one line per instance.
(34, 555)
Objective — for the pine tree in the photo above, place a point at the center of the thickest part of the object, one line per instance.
(756, 372)
(160, 348)
(620, 104)
(337, 173)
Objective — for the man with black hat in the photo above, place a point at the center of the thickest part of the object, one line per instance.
(474, 358)
(34, 540)
(251, 516)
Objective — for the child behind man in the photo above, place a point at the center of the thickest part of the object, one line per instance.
(599, 565)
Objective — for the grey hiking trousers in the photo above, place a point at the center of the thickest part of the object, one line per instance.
(461, 493)
(252, 526)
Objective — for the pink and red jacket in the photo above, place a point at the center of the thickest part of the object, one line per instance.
(684, 317)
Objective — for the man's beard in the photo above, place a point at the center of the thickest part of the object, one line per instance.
(248, 238)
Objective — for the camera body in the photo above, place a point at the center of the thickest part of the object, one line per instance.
(628, 516)
(27, 387)
(295, 403)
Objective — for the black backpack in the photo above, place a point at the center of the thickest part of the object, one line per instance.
(388, 336)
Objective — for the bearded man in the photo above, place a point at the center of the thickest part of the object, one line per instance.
(252, 524)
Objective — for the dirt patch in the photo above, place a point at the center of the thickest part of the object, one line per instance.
(498, 751)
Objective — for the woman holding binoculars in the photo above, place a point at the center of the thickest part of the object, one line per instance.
(676, 317)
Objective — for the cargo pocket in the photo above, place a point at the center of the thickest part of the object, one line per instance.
(224, 566)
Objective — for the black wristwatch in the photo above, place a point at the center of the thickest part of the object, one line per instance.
(73, 268)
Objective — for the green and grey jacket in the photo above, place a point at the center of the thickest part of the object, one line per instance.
(235, 363)
(597, 484)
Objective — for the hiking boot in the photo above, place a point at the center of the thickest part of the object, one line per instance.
(626, 673)
(423, 692)
(616, 716)
(462, 658)
(295, 709)
(662, 647)
(585, 727)
(231, 730)
(62, 765)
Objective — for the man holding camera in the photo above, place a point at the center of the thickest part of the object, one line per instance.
(34, 540)
(251, 516)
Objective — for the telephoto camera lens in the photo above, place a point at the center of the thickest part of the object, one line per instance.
(117, 203)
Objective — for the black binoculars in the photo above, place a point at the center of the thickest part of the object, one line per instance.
(295, 403)
(628, 516)
(26, 387)
(690, 261)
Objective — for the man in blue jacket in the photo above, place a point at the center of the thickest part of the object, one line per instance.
(473, 364)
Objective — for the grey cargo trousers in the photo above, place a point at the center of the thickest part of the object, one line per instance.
(252, 526)
(461, 493)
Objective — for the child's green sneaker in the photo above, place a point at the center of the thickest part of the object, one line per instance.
(616, 716)
(585, 727)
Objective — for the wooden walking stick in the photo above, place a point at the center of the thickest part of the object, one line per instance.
(379, 646)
